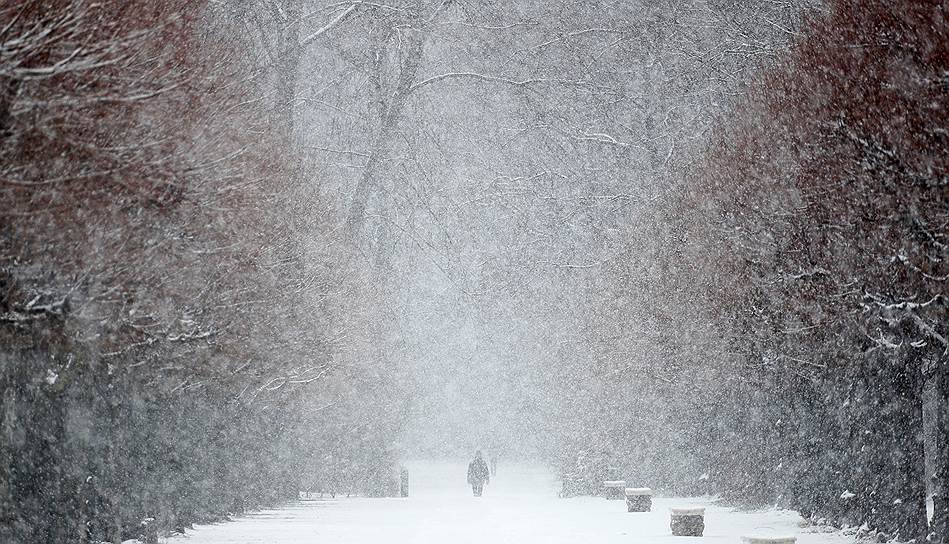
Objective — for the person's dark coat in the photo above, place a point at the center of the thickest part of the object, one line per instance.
(478, 473)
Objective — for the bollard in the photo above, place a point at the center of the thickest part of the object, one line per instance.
(404, 483)
(768, 539)
(638, 499)
(687, 521)
(614, 489)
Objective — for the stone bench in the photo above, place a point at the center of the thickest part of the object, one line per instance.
(638, 499)
(614, 489)
(688, 521)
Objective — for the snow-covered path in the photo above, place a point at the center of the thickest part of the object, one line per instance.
(519, 506)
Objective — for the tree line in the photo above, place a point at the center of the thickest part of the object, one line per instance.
(219, 220)
(170, 291)
(798, 301)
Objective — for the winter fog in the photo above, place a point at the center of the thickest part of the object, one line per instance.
(293, 271)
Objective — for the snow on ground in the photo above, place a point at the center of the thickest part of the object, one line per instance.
(519, 506)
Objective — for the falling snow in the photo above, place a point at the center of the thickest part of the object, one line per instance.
(258, 258)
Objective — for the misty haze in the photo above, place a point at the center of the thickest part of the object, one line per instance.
(471, 272)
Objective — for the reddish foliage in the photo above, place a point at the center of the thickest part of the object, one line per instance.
(824, 207)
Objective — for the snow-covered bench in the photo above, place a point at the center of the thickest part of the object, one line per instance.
(638, 499)
(614, 489)
(689, 521)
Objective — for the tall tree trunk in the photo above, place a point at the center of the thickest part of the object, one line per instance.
(8, 415)
(410, 61)
(940, 521)
(902, 497)
(9, 88)
(289, 54)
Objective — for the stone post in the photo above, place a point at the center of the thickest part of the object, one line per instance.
(638, 499)
(614, 489)
(404, 482)
(688, 521)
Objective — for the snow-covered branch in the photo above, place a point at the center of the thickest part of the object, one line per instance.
(493, 79)
(332, 24)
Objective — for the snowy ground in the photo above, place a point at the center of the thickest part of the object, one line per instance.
(519, 506)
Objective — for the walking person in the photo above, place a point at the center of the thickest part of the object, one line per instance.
(478, 474)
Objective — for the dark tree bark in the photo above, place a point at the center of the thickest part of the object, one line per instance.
(9, 87)
(906, 511)
(940, 479)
